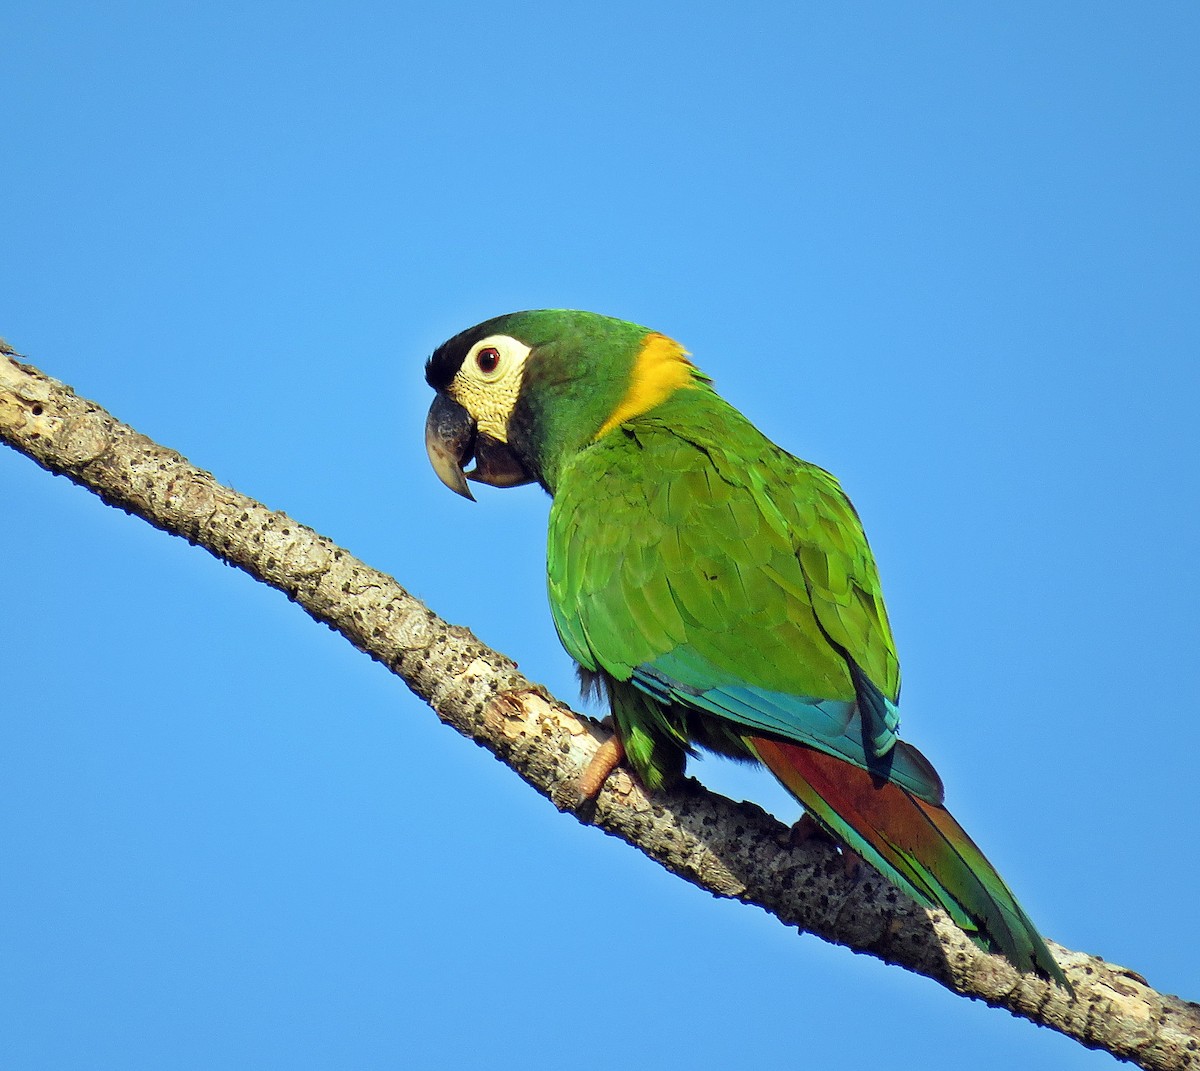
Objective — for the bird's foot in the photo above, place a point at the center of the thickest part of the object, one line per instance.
(606, 759)
(808, 828)
(851, 862)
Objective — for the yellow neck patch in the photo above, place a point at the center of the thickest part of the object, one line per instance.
(659, 370)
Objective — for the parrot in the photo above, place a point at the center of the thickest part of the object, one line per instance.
(717, 590)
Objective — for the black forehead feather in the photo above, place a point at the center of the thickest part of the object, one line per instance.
(447, 359)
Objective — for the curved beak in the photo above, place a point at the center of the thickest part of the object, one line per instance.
(450, 442)
(452, 438)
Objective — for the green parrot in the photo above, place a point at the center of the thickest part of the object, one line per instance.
(719, 591)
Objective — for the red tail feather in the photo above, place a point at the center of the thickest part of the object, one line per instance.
(916, 844)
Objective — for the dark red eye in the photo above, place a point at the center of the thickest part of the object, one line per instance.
(487, 359)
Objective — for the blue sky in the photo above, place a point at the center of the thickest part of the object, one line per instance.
(951, 254)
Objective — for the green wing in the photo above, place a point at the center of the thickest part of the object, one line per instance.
(690, 556)
(690, 527)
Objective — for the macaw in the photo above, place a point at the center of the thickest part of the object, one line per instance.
(718, 590)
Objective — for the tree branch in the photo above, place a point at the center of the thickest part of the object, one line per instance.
(729, 849)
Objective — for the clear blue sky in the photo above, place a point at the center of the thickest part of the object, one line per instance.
(951, 254)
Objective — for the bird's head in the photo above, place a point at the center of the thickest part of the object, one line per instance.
(521, 393)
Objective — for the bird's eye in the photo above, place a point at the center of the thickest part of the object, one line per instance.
(487, 360)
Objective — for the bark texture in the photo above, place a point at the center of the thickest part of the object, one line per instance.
(729, 849)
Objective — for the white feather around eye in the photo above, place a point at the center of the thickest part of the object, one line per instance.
(489, 381)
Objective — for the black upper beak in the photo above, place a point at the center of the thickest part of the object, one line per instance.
(450, 442)
(452, 438)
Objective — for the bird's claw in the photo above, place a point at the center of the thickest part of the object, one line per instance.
(808, 828)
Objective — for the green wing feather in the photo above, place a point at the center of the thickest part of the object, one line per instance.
(680, 552)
